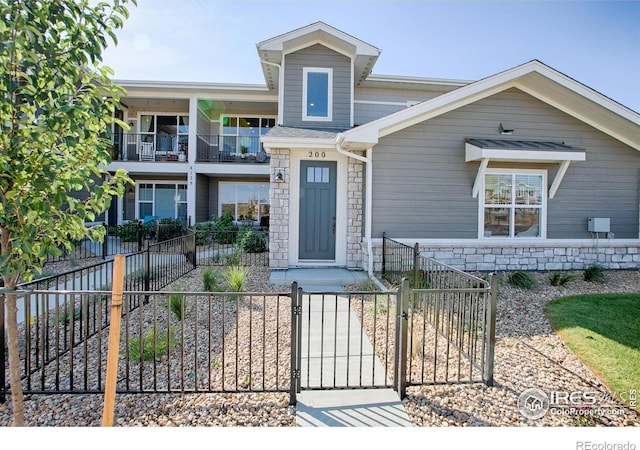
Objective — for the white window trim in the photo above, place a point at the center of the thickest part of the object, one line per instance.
(153, 196)
(155, 115)
(305, 72)
(237, 133)
(543, 207)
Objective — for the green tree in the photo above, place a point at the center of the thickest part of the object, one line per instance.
(57, 104)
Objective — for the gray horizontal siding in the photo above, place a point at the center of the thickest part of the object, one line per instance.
(364, 113)
(203, 212)
(422, 186)
(373, 103)
(317, 56)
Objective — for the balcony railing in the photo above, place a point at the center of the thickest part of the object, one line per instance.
(166, 147)
(230, 149)
(150, 147)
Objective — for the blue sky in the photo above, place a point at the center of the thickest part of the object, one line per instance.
(596, 43)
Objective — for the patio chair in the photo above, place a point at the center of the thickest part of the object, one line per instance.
(146, 151)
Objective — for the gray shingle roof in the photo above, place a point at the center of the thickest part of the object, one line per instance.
(300, 133)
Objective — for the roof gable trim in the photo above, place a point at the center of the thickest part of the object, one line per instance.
(370, 133)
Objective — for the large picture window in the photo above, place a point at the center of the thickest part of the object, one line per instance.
(513, 204)
(317, 93)
(162, 200)
(244, 201)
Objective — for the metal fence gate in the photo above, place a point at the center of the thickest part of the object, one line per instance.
(395, 339)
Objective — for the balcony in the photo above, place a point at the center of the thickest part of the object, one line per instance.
(150, 147)
(230, 149)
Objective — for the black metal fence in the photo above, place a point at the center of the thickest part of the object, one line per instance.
(347, 340)
(253, 342)
(245, 247)
(155, 267)
(451, 317)
(175, 342)
(134, 236)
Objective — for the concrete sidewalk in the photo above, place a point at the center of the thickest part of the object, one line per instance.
(351, 408)
(336, 356)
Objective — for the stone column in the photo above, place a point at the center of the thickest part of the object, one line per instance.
(280, 196)
(355, 213)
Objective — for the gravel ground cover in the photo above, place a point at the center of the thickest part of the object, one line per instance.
(528, 354)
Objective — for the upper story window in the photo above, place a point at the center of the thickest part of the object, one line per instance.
(317, 94)
(513, 204)
(241, 135)
(169, 133)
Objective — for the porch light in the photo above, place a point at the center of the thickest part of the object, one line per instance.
(279, 177)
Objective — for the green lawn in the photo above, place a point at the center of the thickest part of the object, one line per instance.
(604, 331)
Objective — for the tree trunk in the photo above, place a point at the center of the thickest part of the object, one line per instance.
(17, 398)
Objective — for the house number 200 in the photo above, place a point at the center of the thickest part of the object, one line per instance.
(317, 154)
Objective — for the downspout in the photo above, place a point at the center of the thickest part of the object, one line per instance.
(368, 199)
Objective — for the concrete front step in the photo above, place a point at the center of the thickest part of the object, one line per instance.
(318, 279)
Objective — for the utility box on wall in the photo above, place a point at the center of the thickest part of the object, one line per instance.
(598, 224)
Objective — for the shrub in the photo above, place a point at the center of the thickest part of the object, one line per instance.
(204, 232)
(235, 277)
(225, 230)
(522, 280)
(177, 304)
(561, 278)
(210, 280)
(149, 230)
(169, 229)
(128, 232)
(251, 242)
(595, 274)
(153, 344)
(234, 258)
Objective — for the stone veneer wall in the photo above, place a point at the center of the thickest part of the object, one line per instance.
(540, 257)
(279, 194)
(355, 212)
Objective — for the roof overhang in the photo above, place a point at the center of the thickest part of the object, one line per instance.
(521, 151)
(487, 150)
(534, 78)
(298, 138)
(272, 51)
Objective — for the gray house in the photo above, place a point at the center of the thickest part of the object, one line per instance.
(525, 169)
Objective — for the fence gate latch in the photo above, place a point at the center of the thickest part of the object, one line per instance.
(296, 374)
(297, 310)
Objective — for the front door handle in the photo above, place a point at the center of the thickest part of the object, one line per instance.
(333, 225)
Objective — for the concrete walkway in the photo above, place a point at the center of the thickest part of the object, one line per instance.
(336, 356)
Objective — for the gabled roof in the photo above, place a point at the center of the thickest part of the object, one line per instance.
(534, 78)
(272, 50)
